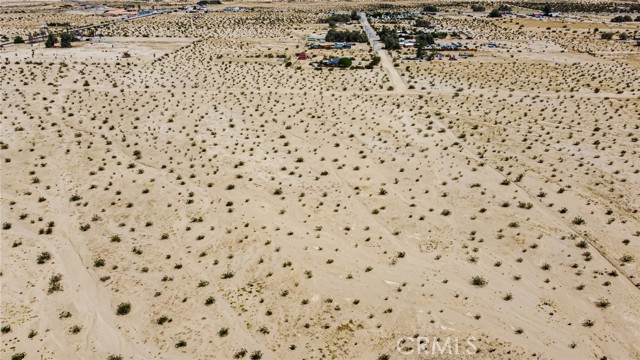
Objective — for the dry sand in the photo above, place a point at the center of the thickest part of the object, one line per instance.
(237, 203)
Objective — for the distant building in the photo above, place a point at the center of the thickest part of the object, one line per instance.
(197, 9)
(331, 62)
(235, 9)
(539, 15)
(321, 46)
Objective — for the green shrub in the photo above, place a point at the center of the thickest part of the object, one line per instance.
(65, 40)
(51, 41)
(123, 309)
(495, 13)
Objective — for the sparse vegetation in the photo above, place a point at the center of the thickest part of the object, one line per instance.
(123, 309)
(478, 281)
(603, 303)
(231, 173)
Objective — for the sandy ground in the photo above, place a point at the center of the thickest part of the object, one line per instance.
(245, 208)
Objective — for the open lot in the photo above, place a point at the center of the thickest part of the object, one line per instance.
(182, 187)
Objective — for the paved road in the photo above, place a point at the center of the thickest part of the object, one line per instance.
(81, 28)
(385, 60)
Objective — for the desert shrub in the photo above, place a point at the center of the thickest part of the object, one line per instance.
(64, 314)
(44, 257)
(374, 61)
(223, 332)
(478, 281)
(603, 303)
(123, 309)
(18, 356)
(606, 35)
(523, 205)
(240, 354)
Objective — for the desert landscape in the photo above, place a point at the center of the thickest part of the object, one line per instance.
(320, 180)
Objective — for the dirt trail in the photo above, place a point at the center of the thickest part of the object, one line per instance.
(385, 60)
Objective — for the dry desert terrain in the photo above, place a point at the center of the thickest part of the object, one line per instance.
(180, 186)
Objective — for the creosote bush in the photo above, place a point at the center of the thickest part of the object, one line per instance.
(123, 309)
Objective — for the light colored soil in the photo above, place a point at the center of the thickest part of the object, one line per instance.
(351, 216)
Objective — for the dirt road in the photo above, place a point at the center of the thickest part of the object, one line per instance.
(385, 60)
